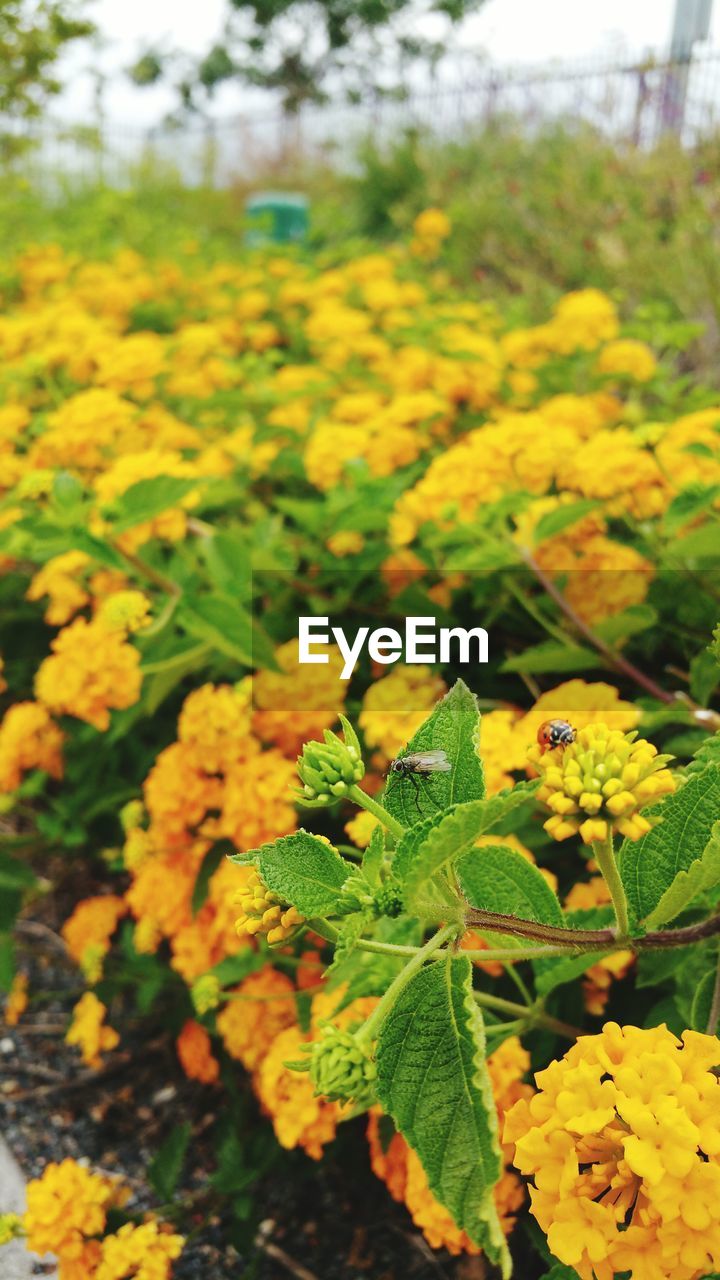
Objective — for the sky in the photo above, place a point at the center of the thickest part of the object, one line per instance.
(506, 31)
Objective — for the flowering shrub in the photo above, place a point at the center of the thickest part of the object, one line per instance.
(351, 438)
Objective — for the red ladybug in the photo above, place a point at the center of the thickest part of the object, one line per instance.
(555, 733)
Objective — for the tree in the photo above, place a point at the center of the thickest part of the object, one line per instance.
(33, 34)
(309, 49)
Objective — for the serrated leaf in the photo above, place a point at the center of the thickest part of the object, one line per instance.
(433, 1080)
(556, 971)
(707, 753)
(649, 866)
(147, 499)
(229, 629)
(702, 1002)
(561, 518)
(452, 727)
(416, 862)
(700, 877)
(552, 656)
(303, 871)
(165, 1168)
(497, 878)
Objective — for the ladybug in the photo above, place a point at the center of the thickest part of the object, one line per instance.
(555, 733)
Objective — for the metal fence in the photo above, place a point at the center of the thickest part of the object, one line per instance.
(635, 101)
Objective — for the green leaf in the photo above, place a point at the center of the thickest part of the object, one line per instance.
(147, 499)
(688, 505)
(649, 866)
(497, 878)
(369, 974)
(374, 855)
(701, 876)
(702, 1002)
(303, 871)
(631, 622)
(555, 521)
(209, 865)
(417, 861)
(552, 656)
(234, 968)
(433, 1080)
(560, 1272)
(165, 1168)
(452, 727)
(698, 546)
(7, 961)
(15, 874)
(229, 629)
(707, 753)
(704, 676)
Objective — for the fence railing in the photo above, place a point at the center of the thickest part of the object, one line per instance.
(634, 101)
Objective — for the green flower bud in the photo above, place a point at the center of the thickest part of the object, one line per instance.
(326, 769)
(341, 1067)
(205, 993)
(388, 899)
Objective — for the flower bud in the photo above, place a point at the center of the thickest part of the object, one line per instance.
(341, 1067)
(326, 769)
(205, 993)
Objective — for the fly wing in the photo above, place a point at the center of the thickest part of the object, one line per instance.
(428, 762)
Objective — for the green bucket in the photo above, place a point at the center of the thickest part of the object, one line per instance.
(276, 217)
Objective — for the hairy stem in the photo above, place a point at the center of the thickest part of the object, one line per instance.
(605, 857)
(371, 1027)
(553, 935)
(365, 801)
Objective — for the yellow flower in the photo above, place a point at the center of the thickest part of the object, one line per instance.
(90, 672)
(87, 1030)
(87, 932)
(258, 1010)
(262, 912)
(58, 580)
(395, 707)
(299, 1118)
(29, 739)
(629, 357)
(582, 320)
(17, 999)
(66, 1210)
(145, 1252)
(502, 748)
(361, 827)
(623, 1145)
(195, 1053)
(296, 703)
(432, 224)
(581, 702)
(347, 542)
(599, 783)
(215, 726)
(125, 611)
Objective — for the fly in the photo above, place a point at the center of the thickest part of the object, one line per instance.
(420, 764)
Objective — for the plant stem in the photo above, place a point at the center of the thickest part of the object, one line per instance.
(534, 1016)
(370, 1029)
(605, 858)
(714, 1015)
(146, 571)
(553, 935)
(365, 801)
(709, 719)
(507, 955)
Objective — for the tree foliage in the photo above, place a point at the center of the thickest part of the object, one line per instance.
(307, 49)
(33, 34)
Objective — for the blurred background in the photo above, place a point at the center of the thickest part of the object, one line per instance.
(124, 123)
